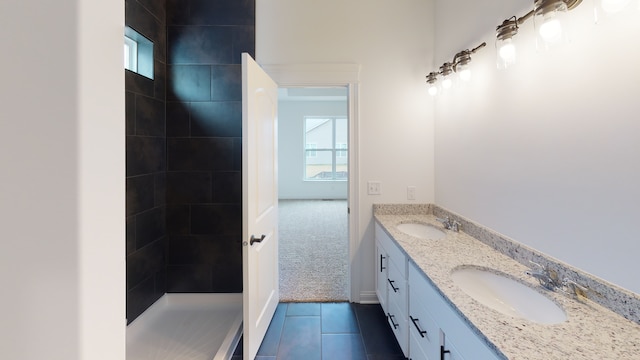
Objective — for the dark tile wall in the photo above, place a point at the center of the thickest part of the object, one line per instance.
(203, 133)
(146, 163)
(184, 129)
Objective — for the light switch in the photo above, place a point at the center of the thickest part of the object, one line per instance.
(373, 187)
(411, 192)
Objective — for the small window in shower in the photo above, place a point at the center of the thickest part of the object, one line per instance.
(138, 53)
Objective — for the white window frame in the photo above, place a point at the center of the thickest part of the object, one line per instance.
(138, 53)
(338, 150)
(130, 54)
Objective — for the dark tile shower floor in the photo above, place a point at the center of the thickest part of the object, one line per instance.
(328, 331)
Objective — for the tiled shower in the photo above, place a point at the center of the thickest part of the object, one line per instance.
(184, 188)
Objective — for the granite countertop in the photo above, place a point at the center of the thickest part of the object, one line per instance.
(590, 332)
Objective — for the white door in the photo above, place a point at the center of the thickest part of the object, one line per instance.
(259, 204)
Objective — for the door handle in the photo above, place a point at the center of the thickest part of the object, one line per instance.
(256, 240)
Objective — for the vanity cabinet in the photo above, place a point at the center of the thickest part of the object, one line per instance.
(437, 331)
(391, 286)
(425, 325)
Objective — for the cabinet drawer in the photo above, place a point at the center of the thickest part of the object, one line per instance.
(422, 326)
(416, 352)
(397, 288)
(393, 251)
(398, 322)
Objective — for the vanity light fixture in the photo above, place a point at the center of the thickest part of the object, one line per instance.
(506, 52)
(459, 65)
(432, 80)
(446, 70)
(462, 60)
(550, 23)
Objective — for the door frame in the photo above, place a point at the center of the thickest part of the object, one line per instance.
(333, 75)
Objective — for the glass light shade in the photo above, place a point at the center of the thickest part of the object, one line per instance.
(433, 89)
(464, 72)
(550, 23)
(551, 29)
(505, 53)
(447, 82)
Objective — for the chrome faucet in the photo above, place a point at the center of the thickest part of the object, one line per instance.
(547, 277)
(449, 224)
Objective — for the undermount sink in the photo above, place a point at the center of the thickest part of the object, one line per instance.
(421, 231)
(507, 295)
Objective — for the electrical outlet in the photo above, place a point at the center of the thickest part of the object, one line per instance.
(373, 187)
(411, 192)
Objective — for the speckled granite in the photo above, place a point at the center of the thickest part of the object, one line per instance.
(591, 331)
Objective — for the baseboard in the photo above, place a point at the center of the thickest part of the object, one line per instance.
(368, 297)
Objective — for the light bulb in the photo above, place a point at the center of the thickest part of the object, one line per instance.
(551, 29)
(505, 48)
(465, 74)
(614, 6)
(433, 90)
(507, 52)
(446, 82)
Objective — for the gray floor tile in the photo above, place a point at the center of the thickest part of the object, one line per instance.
(338, 318)
(343, 347)
(301, 338)
(376, 333)
(303, 309)
(269, 346)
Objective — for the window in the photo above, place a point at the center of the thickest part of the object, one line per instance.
(130, 54)
(326, 148)
(311, 150)
(341, 153)
(138, 53)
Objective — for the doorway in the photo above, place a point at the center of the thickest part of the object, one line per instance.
(331, 76)
(313, 179)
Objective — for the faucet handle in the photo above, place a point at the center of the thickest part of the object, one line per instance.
(546, 276)
(574, 289)
(455, 225)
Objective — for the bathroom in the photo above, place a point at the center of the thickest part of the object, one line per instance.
(557, 172)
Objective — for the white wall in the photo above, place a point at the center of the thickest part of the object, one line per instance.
(393, 42)
(62, 180)
(546, 152)
(291, 155)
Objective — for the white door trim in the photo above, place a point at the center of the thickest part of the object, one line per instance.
(318, 75)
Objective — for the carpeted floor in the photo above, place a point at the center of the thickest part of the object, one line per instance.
(313, 250)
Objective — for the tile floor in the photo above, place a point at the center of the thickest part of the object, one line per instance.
(328, 331)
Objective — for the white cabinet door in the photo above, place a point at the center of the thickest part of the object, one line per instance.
(422, 327)
(381, 275)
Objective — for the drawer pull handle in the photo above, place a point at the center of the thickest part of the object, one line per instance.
(395, 326)
(415, 323)
(443, 351)
(382, 262)
(395, 289)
